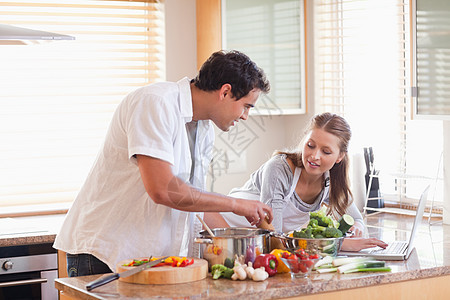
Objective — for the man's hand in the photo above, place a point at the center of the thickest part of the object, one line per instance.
(253, 210)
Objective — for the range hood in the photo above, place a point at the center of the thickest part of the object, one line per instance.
(13, 35)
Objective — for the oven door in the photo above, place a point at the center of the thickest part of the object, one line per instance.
(29, 285)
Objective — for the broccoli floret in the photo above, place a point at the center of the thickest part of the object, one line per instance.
(229, 263)
(299, 234)
(322, 219)
(322, 212)
(317, 221)
(305, 233)
(308, 232)
(332, 232)
(219, 270)
(228, 273)
(313, 223)
(327, 221)
(318, 236)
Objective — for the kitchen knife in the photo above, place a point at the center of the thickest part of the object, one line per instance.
(371, 156)
(104, 280)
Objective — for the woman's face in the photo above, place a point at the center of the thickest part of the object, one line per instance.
(320, 152)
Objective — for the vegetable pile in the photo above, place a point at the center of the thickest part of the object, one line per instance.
(173, 261)
(239, 272)
(347, 265)
(322, 226)
(299, 260)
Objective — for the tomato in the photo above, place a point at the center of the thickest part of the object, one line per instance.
(303, 268)
(295, 266)
(292, 256)
(308, 263)
(301, 252)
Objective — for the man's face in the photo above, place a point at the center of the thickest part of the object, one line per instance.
(232, 111)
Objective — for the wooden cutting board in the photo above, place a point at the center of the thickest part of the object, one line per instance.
(166, 274)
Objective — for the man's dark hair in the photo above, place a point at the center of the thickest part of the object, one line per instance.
(232, 67)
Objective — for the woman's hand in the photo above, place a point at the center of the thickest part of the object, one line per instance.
(357, 229)
(357, 244)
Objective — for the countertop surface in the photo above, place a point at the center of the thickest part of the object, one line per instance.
(430, 258)
(29, 230)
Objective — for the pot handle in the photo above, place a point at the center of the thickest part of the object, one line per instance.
(203, 241)
(280, 235)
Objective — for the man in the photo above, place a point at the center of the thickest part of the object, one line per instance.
(149, 176)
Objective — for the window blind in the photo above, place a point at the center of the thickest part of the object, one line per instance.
(361, 73)
(57, 98)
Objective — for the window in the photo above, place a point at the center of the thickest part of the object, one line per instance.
(57, 98)
(362, 73)
(271, 32)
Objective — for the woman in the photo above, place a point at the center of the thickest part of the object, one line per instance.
(296, 183)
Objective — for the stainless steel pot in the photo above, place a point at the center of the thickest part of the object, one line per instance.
(233, 243)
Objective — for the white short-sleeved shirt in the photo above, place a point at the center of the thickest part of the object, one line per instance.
(113, 217)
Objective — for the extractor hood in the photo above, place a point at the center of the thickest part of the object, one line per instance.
(13, 35)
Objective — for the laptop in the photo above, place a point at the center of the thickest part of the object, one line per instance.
(396, 250)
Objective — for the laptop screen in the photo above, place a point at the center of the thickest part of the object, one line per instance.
(418, 218)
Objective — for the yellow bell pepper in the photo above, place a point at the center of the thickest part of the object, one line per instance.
(282, 268)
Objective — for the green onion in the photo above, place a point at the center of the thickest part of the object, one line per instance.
(348, 260)
(326, 270)
(385, 269)
(361, 265)
(325, 266)
(324, 261)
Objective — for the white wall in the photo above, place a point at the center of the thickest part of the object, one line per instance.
(181, 39)
(446, 133)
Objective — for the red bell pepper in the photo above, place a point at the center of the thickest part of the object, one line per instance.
(268, 261)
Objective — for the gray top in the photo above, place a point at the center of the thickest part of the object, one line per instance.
(273, 181)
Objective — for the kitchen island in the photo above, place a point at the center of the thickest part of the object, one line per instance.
(425, 275)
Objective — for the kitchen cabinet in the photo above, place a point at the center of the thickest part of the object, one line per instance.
(430, 26)
(271, 33)
(400, 284)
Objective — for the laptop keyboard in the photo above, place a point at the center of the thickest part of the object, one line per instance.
(393, 248)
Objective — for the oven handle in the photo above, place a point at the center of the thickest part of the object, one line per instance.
(23, 282)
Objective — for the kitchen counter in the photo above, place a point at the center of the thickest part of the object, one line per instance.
(425, 275)
(29, 230)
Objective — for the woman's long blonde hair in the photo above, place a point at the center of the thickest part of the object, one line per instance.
(340, 194)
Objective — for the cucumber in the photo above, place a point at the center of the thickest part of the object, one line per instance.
(345, 223)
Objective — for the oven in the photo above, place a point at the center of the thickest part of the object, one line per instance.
(28, 272)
